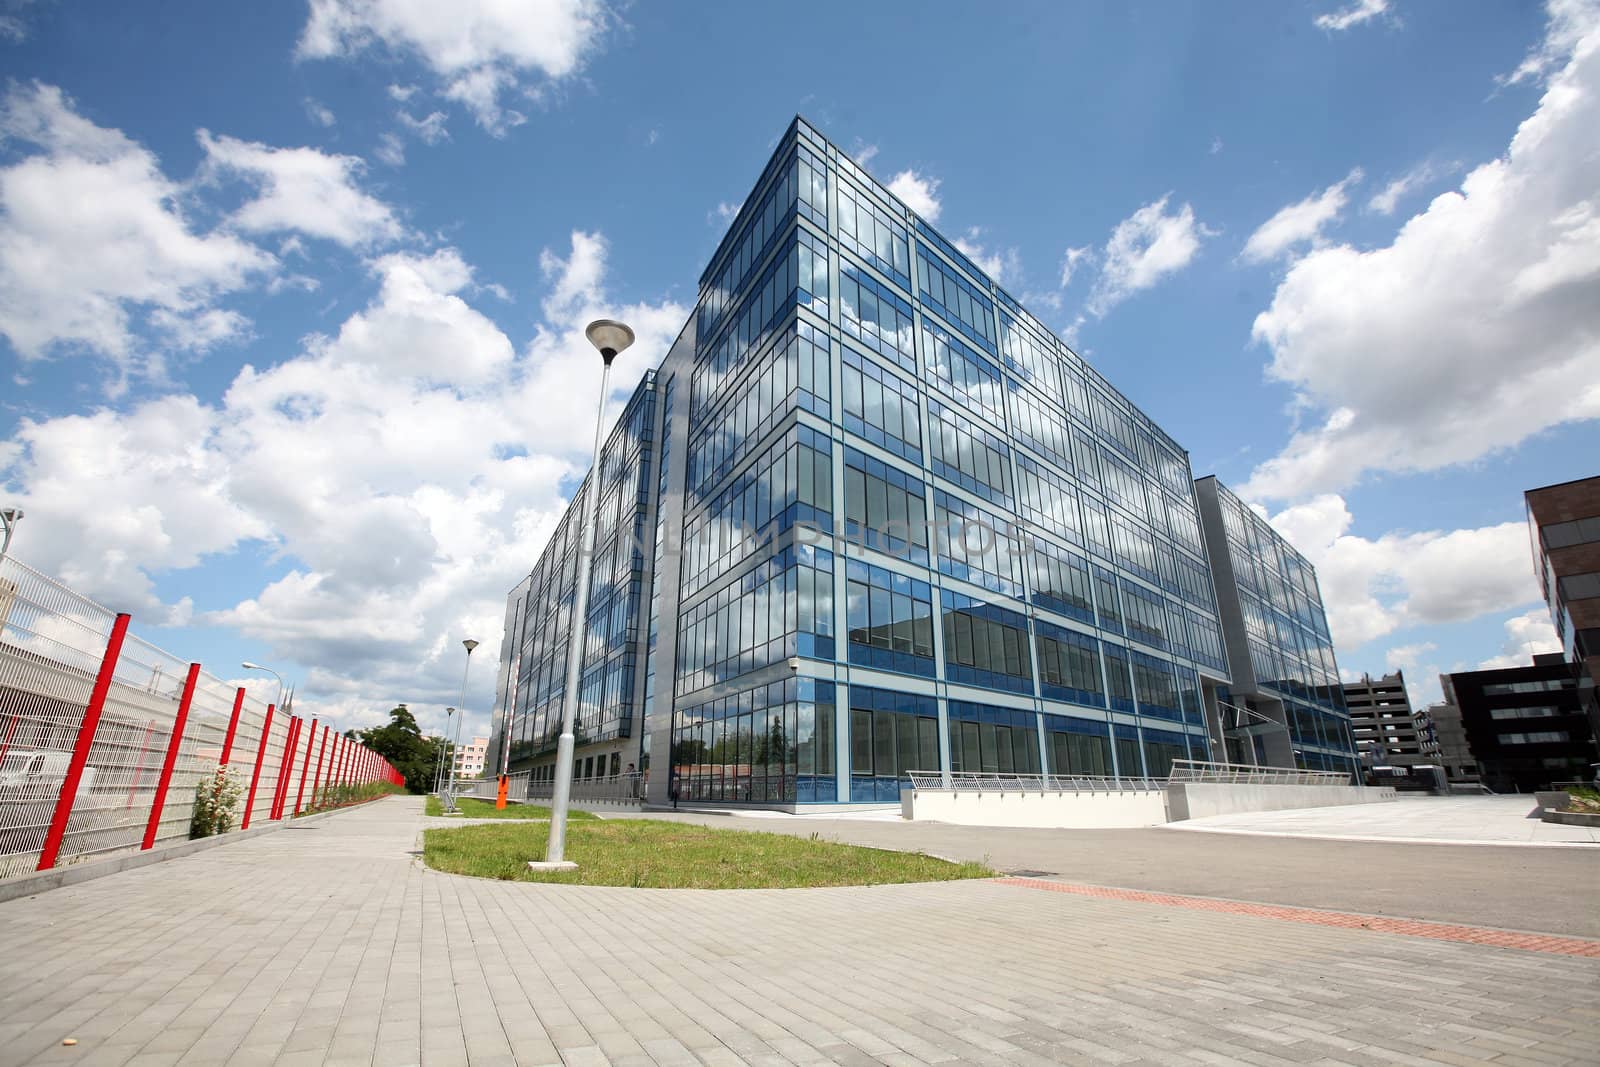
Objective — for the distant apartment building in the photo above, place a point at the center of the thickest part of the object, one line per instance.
(1525, 725)
(1564, 525)
(470, 757)
(1389, 732)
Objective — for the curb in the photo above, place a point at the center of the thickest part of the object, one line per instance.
(28, 885)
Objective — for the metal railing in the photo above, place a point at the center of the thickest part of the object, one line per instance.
(104, 738)
(982, 782)
(611, 789)
(1188, 770)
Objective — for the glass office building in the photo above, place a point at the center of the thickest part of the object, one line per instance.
(884, 520)
(1285, 705)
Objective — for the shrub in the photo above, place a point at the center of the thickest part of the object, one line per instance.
(216, 804)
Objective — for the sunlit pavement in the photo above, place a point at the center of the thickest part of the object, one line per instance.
(1497, 820)
(331, 943)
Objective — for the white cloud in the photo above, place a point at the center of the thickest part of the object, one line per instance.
(1527, 635)
(919, 192)
(1375, 586)
(1385, 200)
(319, 113)
(1300, 222)
(1358, 12)
(1146, 247)
(405, 470)
(430, 129)
(92, 238)
(391, 149)
(481, 51)
(1070, 261)
(1476, 327)
(302, 190)
(725, 211)
(1003, 265)
(1216, 145)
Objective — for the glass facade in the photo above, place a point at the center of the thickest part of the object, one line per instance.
(1283, 661)
(897, 525)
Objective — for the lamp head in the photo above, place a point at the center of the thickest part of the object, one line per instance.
(247, 665)
(609, 337)
(11, 514)
(469, 644)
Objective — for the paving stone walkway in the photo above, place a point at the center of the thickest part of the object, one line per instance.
(330, 943)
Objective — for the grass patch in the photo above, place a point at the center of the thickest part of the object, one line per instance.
(471, 808)
(662, 855)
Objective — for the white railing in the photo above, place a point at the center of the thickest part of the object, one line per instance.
(982, 782)
(1188, 770)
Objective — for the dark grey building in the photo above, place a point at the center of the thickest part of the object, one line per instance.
(1455, 751)
(1525, 725)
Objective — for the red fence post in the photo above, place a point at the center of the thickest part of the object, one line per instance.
(255, 777)
(173, 745)
(316, 776)
(304, 767)
(80, 750)
(333, 769)
(285, 768)
(233, 728)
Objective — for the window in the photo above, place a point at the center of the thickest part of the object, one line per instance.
(993, 740)
(1069, 665)
(890, 620)
(1106, 602)
(1061, 581)
(1542, 737)
(876, 316)
(766, 744)
(960, 371)
(1042, 427)
(1581, 586)
(1078, 746)
(872, 233)
(1541, 711)
(891, 735)
(1119, 686)
(1543, 685)
(976, 545)
(985, 645)
(1030, 349)
(1154, 687)
(880, 407)
(968, 455)
(884, 508)
(1146, 615)
(963, 304)
(1047, 499)
(1567, 534)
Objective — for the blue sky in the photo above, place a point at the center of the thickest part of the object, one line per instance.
(291, 296)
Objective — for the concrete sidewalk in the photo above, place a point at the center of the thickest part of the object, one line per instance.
(1496, 820)
(331, 943)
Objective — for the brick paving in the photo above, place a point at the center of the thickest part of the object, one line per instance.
(330, 943)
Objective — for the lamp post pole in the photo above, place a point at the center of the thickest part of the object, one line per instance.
(450, 804)
(9, 517)
(609, 338)
(247, 665)
(444, 750)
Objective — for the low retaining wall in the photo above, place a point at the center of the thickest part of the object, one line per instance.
(1051, 810)
(1196, 800)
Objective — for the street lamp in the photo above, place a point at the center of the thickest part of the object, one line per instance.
(450, 796)
(247, 665)
(609, 338)
(438, 774)
(9, 517)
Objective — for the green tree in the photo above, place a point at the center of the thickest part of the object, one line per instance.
(402, 743)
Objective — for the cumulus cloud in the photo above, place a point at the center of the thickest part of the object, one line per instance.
(1146, 247)
(1478, 321)
(404, 471)
(301, 190)
(1071, 260)
(480, 51)
(1387, 199)
(1527, 635)
(1003, 265)
(319, 113)
(1354, 15)
(919, 192)
(1375, 586)
(1299, 223)
(76, 279)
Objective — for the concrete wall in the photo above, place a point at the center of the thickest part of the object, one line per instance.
(1196, 800)
(1073, 811)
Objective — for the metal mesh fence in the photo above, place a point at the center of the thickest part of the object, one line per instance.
(53, 643)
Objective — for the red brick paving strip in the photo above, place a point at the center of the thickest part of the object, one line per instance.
(1472, 935)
